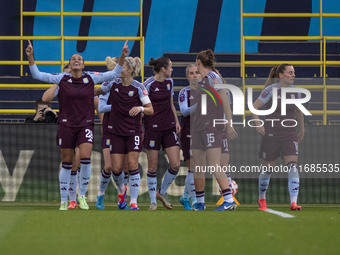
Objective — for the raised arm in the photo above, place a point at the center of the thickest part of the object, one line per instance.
(115, 73)
(36, 74)
(29, 53)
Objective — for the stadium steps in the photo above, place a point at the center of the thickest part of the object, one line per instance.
(227, 63)
(297, 47)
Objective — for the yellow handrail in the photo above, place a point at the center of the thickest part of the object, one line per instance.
(30, 86)
(13, 38)
(281, 15)
(102, 38)
(101, 14)
(62, 38)
(73, 38)
(295, 62)
(323, 62)
(282, 38)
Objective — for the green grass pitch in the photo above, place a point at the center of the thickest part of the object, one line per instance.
(43, 229)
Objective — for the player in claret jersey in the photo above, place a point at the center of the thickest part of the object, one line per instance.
(206, 136)
(128, 98)
(105, 176)
(161, 129)
(187, 108)
(76, 116)
(278, 140)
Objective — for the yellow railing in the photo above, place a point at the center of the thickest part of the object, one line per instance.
(322, 63)
(63, 38)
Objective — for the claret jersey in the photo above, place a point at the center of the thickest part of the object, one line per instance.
(122, 100)
(160, 94)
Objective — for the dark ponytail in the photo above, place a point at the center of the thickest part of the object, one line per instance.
(159, 63)
(208, 60)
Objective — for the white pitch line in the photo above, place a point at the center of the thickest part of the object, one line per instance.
(281, 214)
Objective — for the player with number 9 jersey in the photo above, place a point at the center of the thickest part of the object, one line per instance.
(128, 99)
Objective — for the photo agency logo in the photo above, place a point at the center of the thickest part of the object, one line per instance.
(204, 98)
(286, 97)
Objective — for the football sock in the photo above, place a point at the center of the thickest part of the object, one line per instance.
(72, 190)
(85, 173)
(264, 180)
(169, 177)
(119, 180)
(103, 182)
(126, 177)
(78, 176)
(152, 186)
(200, 196)
(190, 185)
(134, 181)
(64, 180)
(293, 181)
(227, 196)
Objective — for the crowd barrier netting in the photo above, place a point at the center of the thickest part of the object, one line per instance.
(30, 163)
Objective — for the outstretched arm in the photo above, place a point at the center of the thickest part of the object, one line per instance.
(125, 52)
(36, 74)
(29, 53)
(115, 73)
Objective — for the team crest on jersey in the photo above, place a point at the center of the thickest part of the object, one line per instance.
(152, 143)
(168, 86)
(145, 92)
(265, 94)
(85, 80)
(181, 98)
(131, 93)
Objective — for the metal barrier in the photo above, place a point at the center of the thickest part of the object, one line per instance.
(63, 38)
(323, 63)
